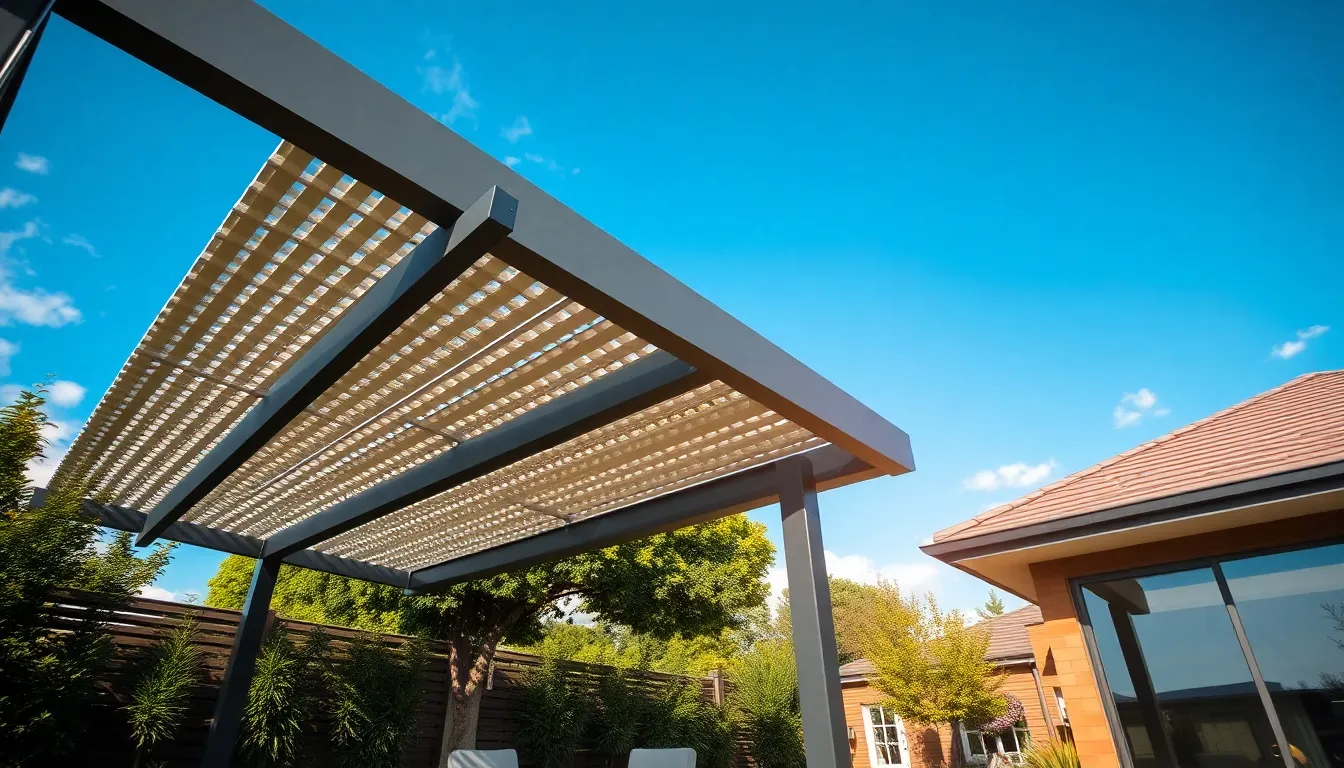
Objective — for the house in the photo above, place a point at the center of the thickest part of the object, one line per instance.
(1192, 589)
(878, 737)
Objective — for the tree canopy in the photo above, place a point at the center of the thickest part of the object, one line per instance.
(696, 581)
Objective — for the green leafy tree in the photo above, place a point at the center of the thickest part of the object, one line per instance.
(304, 595)
(375, 701)
(695, 581)
(48, 679)
(848, 603)
(169, 670)
(618, 646)
(993, 606)
(765, 704)
(929, 663)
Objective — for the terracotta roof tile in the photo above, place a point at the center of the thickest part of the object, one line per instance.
(1293, 426)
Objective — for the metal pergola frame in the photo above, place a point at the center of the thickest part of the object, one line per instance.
(248, 60)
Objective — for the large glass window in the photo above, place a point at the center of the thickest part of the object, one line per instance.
(1292, 607)
(885, 735)
(1010, 743)
(1180, 682)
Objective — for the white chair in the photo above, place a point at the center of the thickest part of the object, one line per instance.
(662, 758)
(483, 758)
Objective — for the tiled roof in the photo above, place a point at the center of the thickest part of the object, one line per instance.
(1296, 425)
(1008, 639)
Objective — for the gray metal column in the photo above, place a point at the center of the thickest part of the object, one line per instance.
(21, 25)
(824, 736)
(228, 722)
(1164, 753)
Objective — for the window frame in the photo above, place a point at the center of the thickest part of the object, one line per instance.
(870, 734)
(1021, 734)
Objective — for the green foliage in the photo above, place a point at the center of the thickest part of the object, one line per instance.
(848, 602)
(620, 709)
(928, 662)
(168, 671)
(304, 595)
(375, 699)
(677, 716)
(286, 690)
(993, 606)
(1051, 754)
(765, 704)
(46, 679)
(617, 645)
(552, 716)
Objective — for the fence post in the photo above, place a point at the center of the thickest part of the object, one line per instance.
(716, 679)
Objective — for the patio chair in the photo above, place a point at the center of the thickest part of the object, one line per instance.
(484, 758)
(662, 758)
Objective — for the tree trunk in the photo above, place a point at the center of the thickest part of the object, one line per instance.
(468, 680)
(954, 753)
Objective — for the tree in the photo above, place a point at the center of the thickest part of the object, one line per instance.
(170, 668)
(848, 604)
(929, 663)
(695, 581)
(46, 678)
(765, 704)
(993, 606)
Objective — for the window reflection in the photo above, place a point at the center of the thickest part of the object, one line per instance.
(1181, 684)
(1292, 608)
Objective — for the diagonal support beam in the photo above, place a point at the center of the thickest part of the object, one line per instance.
(619, 394)
(740, 492)
(425, 272)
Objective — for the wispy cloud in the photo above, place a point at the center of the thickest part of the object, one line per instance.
(450, 81)
(32, 163)
(546, 162)
(157, 593)
(30, 307)
(13, 198)
(8, 349)
(1019, 475)
(511, 161)
(1290, 349)
(1134, 406)
(520, 128)
(82, 242)
(66, 394)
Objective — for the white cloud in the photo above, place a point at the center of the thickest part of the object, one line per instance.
(13, 198)
(450, 81)
(9, 393)
(918, 575)
(1019, 475)
(1134, 406)
(542, 160)
(60, 430)
(32, 163)
(520, 128)
(511, 161)
(66, 394)
(36, 307)
(80, 241)
(8, 238)
(8, 349)
(41, 470)
(157, 593)
(1289, 349)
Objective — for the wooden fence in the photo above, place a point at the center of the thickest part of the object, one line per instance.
(140, 623)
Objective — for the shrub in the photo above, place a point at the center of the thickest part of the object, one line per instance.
(765, 705)
(375, 700)
(1051, 754)
(168, 671)
(553, 716)
(286, 688)
(620, 708)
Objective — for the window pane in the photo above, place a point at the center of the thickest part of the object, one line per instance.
(1177, 672)
(977, 746)
(1292, 606)
(1009, 740)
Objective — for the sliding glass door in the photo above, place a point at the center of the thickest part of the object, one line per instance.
(1237, 663)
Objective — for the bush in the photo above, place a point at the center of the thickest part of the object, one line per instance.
(1051, 754)
(169, 669)
(552, 715)
(286, 689)
(375, 701)
(620, 708)
(673, 716)
(765, 705)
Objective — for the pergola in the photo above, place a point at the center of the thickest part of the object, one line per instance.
(398, 360)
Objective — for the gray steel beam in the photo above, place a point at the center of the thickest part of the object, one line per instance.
(739, 492)
(125, 519)
(21, 25)
(616, 395)
(824, 738)
(233, 689)
(244, 57)
(405, 289)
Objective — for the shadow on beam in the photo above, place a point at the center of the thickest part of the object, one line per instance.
(746, 490)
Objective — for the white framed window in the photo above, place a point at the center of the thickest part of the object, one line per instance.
(1010, 743)
(886, 736)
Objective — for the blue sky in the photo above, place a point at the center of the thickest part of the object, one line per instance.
(1032, 235)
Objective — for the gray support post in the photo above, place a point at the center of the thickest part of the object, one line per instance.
(1045, 706)
(21, 25)
(824, 736)
(228, 722)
